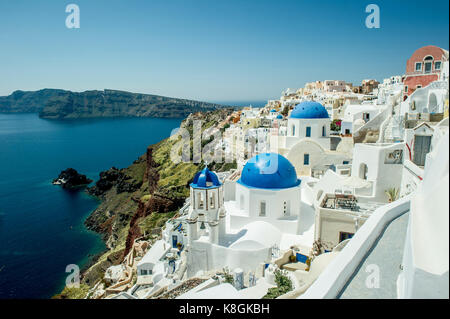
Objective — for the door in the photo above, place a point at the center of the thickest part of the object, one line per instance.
(174, 241)
(421, 148)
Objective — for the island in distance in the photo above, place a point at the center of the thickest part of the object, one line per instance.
(70, 179)
(64, 105)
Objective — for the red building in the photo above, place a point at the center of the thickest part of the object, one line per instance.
(423, 67)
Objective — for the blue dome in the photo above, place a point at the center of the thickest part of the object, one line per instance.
(279, 116)
(269, 170)
(309, 110)
(273, 110)
(205, 179)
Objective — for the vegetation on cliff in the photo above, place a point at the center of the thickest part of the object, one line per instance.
(139, 199)
(73, 292)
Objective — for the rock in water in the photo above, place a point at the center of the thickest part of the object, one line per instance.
(70, 178)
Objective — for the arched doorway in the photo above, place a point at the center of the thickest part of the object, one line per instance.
(363, 171)
(432, 103)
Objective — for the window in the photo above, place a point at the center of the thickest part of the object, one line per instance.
(306, 159)
(418, 66)
(143, 272)
(308, 131)
(286, 207)
(212, 200)
(262, 208)
(418, 86)
(428, 63)
(324, 131)
(406, 89)
(437, 65)
(200, 200)
(293, 130)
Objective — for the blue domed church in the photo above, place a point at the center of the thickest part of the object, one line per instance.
(306, 141)
(309, 120)
(269, 191)
(263, 208)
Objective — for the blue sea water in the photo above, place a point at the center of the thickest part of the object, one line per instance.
(41, 225)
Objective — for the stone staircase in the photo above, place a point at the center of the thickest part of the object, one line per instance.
(394, 129)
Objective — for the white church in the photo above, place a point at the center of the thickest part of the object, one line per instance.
(306, 141)
(261, 218)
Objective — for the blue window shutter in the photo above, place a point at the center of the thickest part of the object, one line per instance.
(301, 258)
(308, 131)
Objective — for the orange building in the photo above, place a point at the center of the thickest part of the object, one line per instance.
(423, 67)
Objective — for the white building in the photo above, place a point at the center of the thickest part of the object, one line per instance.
(263, 214)
(405, 242)
(307, 142)
(426, 254)
(356, 115)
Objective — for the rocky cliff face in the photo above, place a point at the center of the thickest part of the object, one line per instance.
(142, 197)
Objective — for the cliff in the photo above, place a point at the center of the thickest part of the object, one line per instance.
(61, 104)
(139, 199)
(27, 101)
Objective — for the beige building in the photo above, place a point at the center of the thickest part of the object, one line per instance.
(334, 86)
(338, 217)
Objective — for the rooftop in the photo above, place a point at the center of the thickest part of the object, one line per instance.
(269, 171)
(205, 179)
(309, 110)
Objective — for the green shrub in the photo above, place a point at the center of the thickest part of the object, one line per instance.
(228, 277)
(284, 285)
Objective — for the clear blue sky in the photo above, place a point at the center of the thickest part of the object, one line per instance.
(233, 50)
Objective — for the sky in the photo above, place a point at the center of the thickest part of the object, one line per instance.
(210, 50)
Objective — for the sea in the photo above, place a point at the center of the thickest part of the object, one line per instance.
(42, 232)
(42, 228)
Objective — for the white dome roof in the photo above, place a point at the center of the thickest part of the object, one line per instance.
(258, 235)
